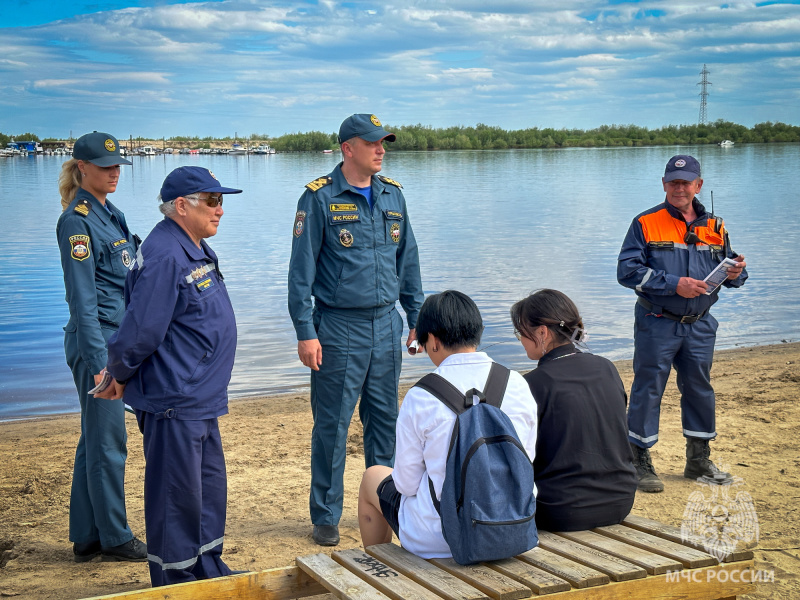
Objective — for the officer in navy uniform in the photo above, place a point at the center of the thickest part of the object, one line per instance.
(668, 251)
(355, 253)
(96, 249)
(173, 357)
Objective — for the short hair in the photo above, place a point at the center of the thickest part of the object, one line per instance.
(168, 208)
(550, 308)
(453, 318)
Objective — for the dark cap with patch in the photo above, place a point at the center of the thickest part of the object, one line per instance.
(682, 167)
(365, 126)
(184, 181)
(98, 148)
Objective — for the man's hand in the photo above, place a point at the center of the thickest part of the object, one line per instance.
(735, 271)
(310, 353)
(113, 392)
(691, 288)
(412, 336)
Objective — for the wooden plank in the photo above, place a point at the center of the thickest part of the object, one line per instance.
(395, 585)
(336, 579)
(430, 576)
(721, 581)
(535, 578)
(654, 564)
(672, 533)
(577, 574)
(489, 581)
(688, 557)
(283, 583)
(617, 569)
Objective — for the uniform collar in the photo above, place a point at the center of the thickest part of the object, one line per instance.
(97, 206)
(204, 252)
(465, 358)
(560, 351)
(340, 184)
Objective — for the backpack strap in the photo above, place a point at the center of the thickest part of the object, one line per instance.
(445, 391)
(496, 384)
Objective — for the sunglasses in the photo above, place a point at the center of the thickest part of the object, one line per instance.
(213, 201)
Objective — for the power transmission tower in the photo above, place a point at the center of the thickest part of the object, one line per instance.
(703, 94)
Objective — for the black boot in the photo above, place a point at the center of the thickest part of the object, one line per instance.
(645, 473)
(699, 465)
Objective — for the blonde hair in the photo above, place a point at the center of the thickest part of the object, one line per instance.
(68, 182)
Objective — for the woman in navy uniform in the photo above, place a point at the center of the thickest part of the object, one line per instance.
(96, 250)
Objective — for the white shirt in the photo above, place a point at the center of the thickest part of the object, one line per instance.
(424, 427)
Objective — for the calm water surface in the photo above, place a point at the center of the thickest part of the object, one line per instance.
(494, 225)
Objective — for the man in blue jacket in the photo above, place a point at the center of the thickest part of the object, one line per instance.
(354, 251)
(173, 356)
(666, 255)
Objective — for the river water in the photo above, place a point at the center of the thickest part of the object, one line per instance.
(495, 225)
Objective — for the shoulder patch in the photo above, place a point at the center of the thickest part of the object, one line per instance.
(389, 181)
(79, 245)
(319, 183)
(83, 207)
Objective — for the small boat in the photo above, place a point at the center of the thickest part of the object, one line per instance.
(147, 151)
(264, 149)
(327, 151)
(185, 151)
(726, 144)
(237, 149)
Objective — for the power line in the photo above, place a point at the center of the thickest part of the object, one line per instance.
(703, 94)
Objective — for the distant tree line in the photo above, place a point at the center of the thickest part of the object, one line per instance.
(486, 137)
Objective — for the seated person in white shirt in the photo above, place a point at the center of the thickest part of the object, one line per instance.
(398, 500)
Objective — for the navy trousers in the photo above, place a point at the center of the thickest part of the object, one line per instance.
(659, 345)
(361, 355)
(185, 498)
(97, 501)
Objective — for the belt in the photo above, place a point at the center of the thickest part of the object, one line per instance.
(687, 319)
(356, 313)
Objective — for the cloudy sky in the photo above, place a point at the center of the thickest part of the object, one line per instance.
(157, 68)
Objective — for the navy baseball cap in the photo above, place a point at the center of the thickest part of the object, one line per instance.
(184, 181)
(365, 126)
(683, 167)
(98, 148)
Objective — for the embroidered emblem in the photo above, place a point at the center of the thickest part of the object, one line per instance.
(80, 247)
(119, 243)
(110, 145)
(214, 176)
(319, 183)
(126, 258)
(374, 120)
(83, 207)
(342, 207)
(680, 163)
(393, 214)
(299, 223)
(389, 181)
(346, 238)
(205, 284)
(394, 231)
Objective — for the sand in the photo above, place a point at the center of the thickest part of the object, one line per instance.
(267, 444)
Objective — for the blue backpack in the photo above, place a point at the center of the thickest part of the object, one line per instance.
(487, 505)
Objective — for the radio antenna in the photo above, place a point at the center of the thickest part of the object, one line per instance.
(712, 202)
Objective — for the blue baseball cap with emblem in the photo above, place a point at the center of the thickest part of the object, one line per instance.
(184, 181)
(365, 126)
(98, 148)
(682, 167)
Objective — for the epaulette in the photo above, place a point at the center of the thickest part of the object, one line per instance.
(389, 181)
(83, 207)
(321, 182)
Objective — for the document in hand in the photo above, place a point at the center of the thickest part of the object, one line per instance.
(103, 385)
(718, 275)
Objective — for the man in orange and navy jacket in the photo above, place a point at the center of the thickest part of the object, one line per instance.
(667, 253)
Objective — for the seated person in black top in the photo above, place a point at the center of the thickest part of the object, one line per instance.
(583, 466)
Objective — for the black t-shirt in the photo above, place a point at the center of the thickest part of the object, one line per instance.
(583, 467)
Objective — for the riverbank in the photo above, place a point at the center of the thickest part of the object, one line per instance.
(267, 444)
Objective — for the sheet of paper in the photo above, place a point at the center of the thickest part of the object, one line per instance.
(718, 275)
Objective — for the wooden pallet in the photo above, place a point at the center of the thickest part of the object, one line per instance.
(640, 558)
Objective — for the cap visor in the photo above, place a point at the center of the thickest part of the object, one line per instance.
(109, 161)
(220, 190)
(380, 134)
(682, 175)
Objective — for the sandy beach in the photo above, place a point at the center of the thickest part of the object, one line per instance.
(267, 444)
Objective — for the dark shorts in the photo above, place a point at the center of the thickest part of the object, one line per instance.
(389, 498)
